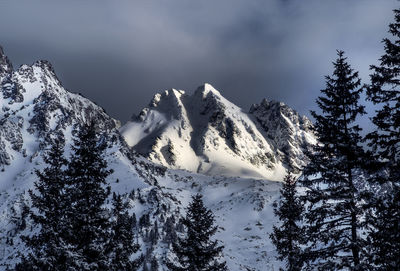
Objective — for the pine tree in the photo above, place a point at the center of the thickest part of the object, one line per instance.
(384, 238)
(75, 229)
(333, 204)
(196, 251)
(87, 193)
(121, 244)
(385, 141)
(288, 237)
(170, 231)
(154, 234)
(48, 248)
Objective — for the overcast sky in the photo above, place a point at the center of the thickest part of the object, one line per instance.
(120, 53)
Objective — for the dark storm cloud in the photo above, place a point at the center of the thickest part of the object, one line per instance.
(119, 53)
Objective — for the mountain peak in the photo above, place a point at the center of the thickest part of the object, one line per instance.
(35, 105)
(167, 96)
(206, 133)
(44, 64)
(206, 89)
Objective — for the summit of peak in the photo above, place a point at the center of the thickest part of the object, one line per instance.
(168, 94)
(205, 89)
(209, 87)
(44, 64)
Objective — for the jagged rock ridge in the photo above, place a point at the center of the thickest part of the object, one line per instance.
(289, 133)
(34, 105)
(206, 133)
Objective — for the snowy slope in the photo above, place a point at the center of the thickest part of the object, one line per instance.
(243, 210)
(204, 130)
(206, 133)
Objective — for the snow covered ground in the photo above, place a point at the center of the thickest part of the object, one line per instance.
(243, 210)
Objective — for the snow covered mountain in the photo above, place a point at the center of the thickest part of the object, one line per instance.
(35, 108)
(206, 133)
(34, 105)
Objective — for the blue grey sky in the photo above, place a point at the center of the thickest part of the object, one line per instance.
(120, 53)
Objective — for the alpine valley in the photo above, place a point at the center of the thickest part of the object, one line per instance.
(179, 145)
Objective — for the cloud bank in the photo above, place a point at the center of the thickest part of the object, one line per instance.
(119, 53)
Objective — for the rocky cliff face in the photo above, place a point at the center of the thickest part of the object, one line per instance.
(289, 133)
(206, 133)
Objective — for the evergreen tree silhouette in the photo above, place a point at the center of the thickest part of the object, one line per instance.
(87, 192)
(121, 243)
(384, 218)
(289, 236)
(333, 204)
(196, 251)
(49, 250)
